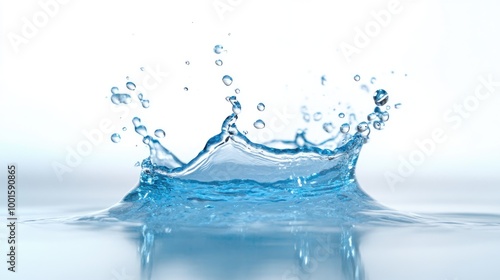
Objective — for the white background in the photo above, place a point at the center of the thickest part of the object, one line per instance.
(55, 84)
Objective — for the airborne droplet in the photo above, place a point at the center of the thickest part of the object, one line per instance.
(380, 97)
(341, 115)
(328, 127)
(130, 85)
(227, 80)
(159, 133)
(378, 125)
(344, 128)
(259, 124)
(115, 137)
(317, 116)
(218, 62)
(357, 78)
(261, 107)
(218, 49)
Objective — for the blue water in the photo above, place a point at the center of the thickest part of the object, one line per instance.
(284, 209)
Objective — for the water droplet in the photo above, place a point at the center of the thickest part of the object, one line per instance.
(186, 88)
(115, 137)
(124, 128)
(317, 116)
(121, 98)
(137, 164)
(236, 104)
(146, 140)
(227, 80)
(261, 107)
(328, 127)
(365, 88)
(344, 128)
(140, 96)
(159, 133)
(130, 85)
(187, 62)
(136, 121)
(218, 49)
(362, 127)
(306, 117)
(237, 90)
(341, 115)
(371, 116)
(218, 62)
(397, 105)
(323, 80)
(114, 90)
(380, 97)
(259, 124)
(141, 130)
(384, 116)
(128, 78)
(378, 125)
(145, 103)
(357, 78)
(142, 68)
(372, 80)
(388, 107)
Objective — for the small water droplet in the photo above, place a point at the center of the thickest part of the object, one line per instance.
(146, 140)
(145, 103)
(357, 78)
(388, 107)
(306, 117)
(378, 125)
(115, 137)
(140, 96)
(121, 98)
(142, 68)
(130, 85)
(114, 90)
(397, 105)
(362, 127)
(137, 164)
(124, 128)
(245, 132)
(136, 121)
(141, 130)
(365, 88)
(236, 104)
(227, 80)
(187, 62)
(341, 115)
(323, 80)
(380, 97)
(373, 80)
(371, 116)
(218, 49)
(328, 127)
(218, 62)
(261, 107)
(128, 78)
(344, 128)
(259, 124)
(384, 116)
(317, 116)
(159, 133)
(186, 88)
(237, 90)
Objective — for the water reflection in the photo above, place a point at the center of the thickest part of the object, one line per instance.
(298, 253)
